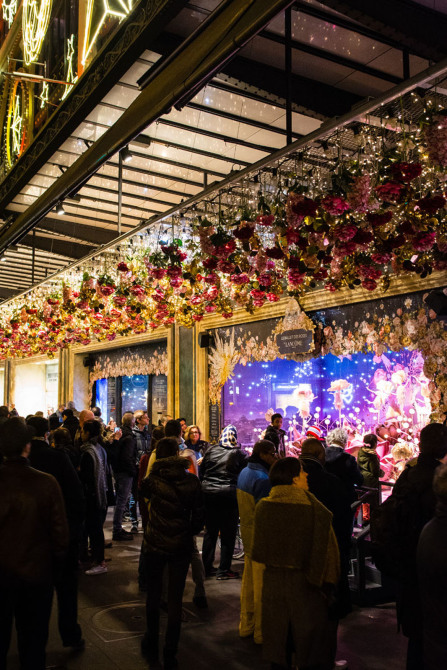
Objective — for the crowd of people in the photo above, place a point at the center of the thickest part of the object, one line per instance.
(60, 475)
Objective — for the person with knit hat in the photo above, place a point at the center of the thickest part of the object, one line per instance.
(315, 432)
(220, 469)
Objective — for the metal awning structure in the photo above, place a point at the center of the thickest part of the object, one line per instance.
(307, 64)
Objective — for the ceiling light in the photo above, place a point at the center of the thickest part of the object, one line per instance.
(60, 208)
(126, 155)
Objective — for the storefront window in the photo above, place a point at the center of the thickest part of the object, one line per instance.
(36, 387)
(116, 395)
(372, 391)
(134, 393)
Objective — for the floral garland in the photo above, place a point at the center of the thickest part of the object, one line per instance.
(413, 330)
(128, 365)
(368, 227)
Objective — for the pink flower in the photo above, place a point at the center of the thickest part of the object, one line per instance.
(369, 272)
(212, 278)
(197, 317)
(389, 191)
(406, 171)
(424, 241)
(381, 258)
(298, 207)
(295, 277)
(334, 205)
(360, 193)
(226, 267)
(436, 138)
(272, 297)
(240, 279)
(345, 232)
(265, 279)
(210, 308)
(431, 205)
(227, 315)
(369, 284)
(265, 219)
(330, 287)
(345, 248)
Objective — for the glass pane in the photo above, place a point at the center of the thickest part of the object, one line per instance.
(101, 398)
(159, 397)
(392, 386)
(134, 393)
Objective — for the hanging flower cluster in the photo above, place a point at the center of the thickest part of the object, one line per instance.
(369, 226)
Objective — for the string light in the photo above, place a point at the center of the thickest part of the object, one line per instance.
(111, 8)
(35, 20)
(9, 11)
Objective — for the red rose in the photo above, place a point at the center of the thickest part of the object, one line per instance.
(122, 267)
(274, 252)
(424, 241)
(210, 263)
(379, 219)
(244, 232)
(406, 171)
(334, 205)
(369, 284)
(431, 205)
(240, 279)
(265, 219)
(389, 191)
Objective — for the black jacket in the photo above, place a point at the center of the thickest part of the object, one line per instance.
(330, 491)
(175, 507)
(432, 576)
(55, 462)
(33, 525)
(126, 459)
(220, 469)
(344, 466)
(415, 488)
(143, 439)
(72, 425)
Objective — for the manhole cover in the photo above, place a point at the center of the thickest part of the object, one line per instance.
(125, 618)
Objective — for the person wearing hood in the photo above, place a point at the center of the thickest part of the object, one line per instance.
(93, 475)
(124, 469)
(220, 469)
(175, 516)
(253, 484)
(342, 465)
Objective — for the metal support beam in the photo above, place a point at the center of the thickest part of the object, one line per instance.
(120, 189)
(230, 27)
(288, 70)
(33, 256)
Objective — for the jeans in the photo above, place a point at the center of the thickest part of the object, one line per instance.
(30, 606)
(123, 483)
(221, 515)
(94, 523)
(177, 569)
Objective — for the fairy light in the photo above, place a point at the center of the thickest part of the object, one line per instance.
(35, 20)
(110, 8)
(9, 11)
(69, 76)
(44, 95)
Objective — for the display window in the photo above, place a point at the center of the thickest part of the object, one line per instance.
(36, 387)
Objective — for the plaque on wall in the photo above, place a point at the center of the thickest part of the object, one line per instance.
(214, 423)
(295, 341)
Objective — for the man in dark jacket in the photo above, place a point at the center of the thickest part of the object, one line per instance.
(125, 470)
(34, 538)
(175, 516)
(414, 489)
(276, 428)
(220, 469)
(56, 462)
(432, 576)
(70, 422)
(342, 465)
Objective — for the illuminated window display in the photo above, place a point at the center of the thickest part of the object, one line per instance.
(366, 393)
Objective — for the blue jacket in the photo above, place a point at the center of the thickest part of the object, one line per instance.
(253, 484)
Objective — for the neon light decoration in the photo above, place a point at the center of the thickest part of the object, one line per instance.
(35, 20)
(70, 75)
(9, 11)
(117, 8)
(43, 97)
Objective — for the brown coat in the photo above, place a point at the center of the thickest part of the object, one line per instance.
(294, 538)
(33, 525)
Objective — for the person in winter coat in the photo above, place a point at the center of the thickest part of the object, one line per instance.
(253, 484)
(342, 465)
(369, 465)
(432, 576)
(414, 489)
(175, 516)
(34, 540)
(70, 422)
(93, 475)
(220, 469)
(294, 538)
(57, 463)
(125, 470)
(193, 440)
(276, 428)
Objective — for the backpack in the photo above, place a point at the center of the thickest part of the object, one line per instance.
(395, 527)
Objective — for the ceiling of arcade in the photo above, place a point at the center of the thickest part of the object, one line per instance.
(341, 52)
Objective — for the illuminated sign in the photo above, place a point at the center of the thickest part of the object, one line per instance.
(35, 20)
